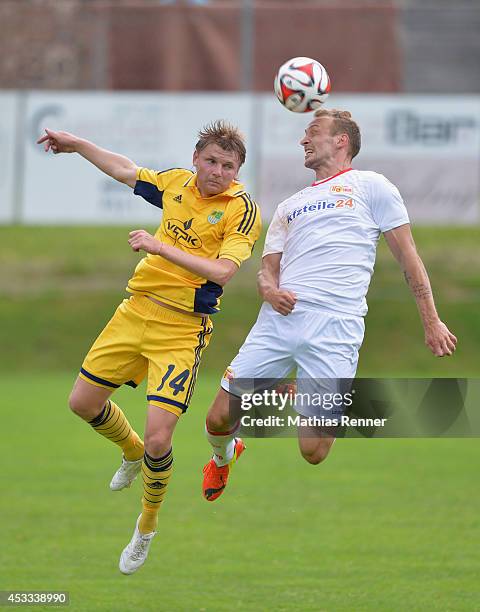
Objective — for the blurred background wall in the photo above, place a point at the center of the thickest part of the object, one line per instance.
(407, 69)
(419, 46)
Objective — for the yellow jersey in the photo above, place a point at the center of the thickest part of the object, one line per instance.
(222, 226)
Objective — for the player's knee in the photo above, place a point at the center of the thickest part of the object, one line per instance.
(315, 457)
(218, 417)
(75, 403)
(79, 405)
(218, 420)
(158, 443)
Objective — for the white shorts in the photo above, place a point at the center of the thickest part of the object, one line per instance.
(318, 343)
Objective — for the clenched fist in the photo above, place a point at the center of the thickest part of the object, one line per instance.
(140, 239)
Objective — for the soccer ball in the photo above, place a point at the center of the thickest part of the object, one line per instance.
(302, 84)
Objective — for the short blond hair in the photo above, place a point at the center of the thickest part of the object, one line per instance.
(225, 135)
(343, 124)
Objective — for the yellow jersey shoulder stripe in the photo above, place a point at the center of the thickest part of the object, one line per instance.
(249, 215)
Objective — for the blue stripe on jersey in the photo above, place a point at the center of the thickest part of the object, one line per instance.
(149, 192)
(167, 400)
(254, 210)
(198, 351)
(249, 216)
(206, 298)
(247, 209)
(99, 380)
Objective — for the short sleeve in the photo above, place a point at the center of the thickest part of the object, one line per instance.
(151, 184)
(276, 235)
(388, 209)
(242, 229)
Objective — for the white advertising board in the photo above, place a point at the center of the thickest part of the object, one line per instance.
(8, 153)
(157, 131)
(429, 146)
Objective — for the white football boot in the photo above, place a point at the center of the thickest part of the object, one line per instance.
(126, 474)
(135, 553)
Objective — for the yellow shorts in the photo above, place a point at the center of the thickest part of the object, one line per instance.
(143, 338)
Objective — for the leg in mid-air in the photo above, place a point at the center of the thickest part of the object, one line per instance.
(157, 467)
(173, 347)
(326, 368)
(220, 430)
(314, 440)
(266, 354)
(92, 404)
(113, 360)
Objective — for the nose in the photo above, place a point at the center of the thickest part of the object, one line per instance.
(217, 170)
(304, 141)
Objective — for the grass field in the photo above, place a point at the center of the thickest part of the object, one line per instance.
(60, 286)
(382, 525)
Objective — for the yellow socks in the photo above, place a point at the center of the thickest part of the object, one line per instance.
(113, 425)
(156, 474)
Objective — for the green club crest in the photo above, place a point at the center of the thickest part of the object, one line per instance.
(215, 217)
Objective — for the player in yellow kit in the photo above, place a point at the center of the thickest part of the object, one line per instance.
(208, 228)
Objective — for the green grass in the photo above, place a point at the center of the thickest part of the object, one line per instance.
(61, 285)
(383, 525)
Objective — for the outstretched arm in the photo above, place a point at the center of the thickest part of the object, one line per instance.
(437, 336)
(117, 166)
(219, 271)
(283, 301)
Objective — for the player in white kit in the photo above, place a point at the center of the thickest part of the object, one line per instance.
(317, 264)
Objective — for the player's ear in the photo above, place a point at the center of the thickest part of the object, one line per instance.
(195, 159)
(342, 140)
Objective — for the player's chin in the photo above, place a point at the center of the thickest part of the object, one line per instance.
(213, 191)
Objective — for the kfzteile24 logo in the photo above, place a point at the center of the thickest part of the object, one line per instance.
(324, 205)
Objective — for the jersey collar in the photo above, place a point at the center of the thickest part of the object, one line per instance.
(234, 190)
(315, 183)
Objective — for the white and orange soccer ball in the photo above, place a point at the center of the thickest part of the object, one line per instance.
(302, 84)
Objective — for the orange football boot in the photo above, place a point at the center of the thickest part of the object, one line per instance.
(215, 478)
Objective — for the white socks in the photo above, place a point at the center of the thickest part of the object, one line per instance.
(223, 444)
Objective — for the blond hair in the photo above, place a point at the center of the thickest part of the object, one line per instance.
(225, 135)
(343, 124)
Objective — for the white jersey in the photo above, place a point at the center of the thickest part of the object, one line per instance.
(328, 235)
